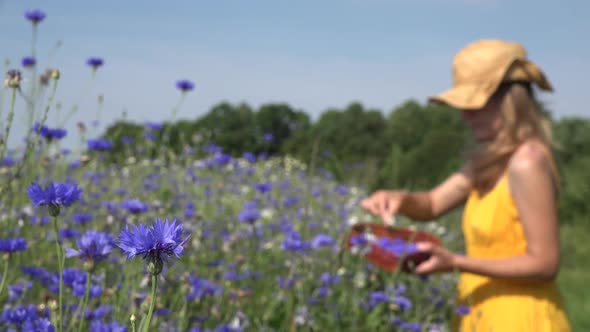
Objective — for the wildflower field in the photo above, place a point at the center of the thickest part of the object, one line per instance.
(200, 241)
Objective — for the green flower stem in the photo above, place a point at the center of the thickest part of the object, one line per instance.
(85, 301)
(8, 124)
(146, 326)
(31, 105)
(34, 40)
(30, 141)
(4, 274)
(76, 106)
(59, 251)
(166, 133)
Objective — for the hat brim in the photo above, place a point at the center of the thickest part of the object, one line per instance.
(465, 96)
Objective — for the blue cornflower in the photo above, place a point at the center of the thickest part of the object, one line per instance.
(82, 218)
(250, 157)
(49, 134)
(411, 326)
(99, 313)
(13, 245)
(212, 148)
(397, 246)
(322, 240)
(134, 206)
(359, 240)
(341, 190)
(403, 302)
(185, 85)
(462, 310)
(263, 187)
(293, 242)
(28, 62)
(149, 136)
(155, 126)
(285, 282)
(328, 279)
(15, 291)
(35, 16)
(54, 196)
(95, 62)
(7, 162)
(200, 288)
(75, 164)
(68, 233)
(249, 214)
(222, 159)
(100, 144)
(377, 297)
(79, 289)
(38, 325)
(93, 246)
(155, 243)
(20, 314)
(269, 137)
(126, 140)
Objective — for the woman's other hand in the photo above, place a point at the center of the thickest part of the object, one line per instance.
(441, 259)
(384, 204)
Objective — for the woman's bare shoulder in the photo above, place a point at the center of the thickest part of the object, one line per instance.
(529, 156)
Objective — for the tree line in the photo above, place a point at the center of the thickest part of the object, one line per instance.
(413, 146)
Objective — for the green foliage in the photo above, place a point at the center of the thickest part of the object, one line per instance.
(414, 146)
(231, 127)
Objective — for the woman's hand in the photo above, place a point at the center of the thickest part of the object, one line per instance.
(442, 260)
(384, 204)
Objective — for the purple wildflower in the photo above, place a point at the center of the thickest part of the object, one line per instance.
(294, 242)
(134, 206)
(263, 187)
(200, 288)
(98, 326)
(48, 133)
(322, 240)
(92, 246)
(82, 218)
(15, 291)
(95, 63)
(250, 157)
(398, 246)
(7, 162)
(155, 126)
(411, 326)
(377, 297)
(13, 245)
(54, 196)
(35, 16)
(28, 62)
(100, 144)
(185, 85)
(126, 140)
(269, 137)
(155, 243)
(462, 310)
(249, 213)
(403, 302)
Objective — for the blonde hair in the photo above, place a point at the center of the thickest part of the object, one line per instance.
(521, 120)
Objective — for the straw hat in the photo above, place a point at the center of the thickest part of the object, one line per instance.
(479, 69)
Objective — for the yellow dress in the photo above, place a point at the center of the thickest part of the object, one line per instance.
(492, 229)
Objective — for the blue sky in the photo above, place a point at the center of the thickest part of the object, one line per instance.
(313, 55)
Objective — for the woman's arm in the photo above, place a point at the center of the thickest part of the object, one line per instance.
(421, 206)
(532, 187)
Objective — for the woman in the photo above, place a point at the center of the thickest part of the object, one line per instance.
(509, 185)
